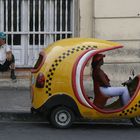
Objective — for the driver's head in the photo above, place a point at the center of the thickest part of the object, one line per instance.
(97, 60)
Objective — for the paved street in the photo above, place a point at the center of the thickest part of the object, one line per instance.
(42, 131)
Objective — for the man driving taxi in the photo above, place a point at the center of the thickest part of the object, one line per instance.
(102, 87)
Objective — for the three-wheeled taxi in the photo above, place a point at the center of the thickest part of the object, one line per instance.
(58, 89)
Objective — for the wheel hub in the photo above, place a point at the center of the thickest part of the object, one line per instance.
(62, 118)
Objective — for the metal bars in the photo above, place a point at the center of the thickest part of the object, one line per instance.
(36, 23)
(1, 16)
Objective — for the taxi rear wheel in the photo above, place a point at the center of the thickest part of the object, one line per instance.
(136, 121)
(62, 117)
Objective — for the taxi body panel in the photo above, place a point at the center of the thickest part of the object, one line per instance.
(62, 65)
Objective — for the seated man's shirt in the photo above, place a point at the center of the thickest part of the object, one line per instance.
(3, 50)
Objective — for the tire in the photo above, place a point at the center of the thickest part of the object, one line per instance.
(136, 121)
(62, 117)
(33, 111)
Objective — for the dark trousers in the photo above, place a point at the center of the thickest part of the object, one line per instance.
(6, 65)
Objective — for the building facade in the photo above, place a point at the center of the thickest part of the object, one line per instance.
(33, 24)
(118, 21)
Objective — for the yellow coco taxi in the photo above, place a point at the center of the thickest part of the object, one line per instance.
(60, 91)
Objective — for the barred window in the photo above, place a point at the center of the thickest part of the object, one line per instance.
(46, 18)
(31, 25)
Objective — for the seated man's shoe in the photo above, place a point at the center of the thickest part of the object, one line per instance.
(13, 76)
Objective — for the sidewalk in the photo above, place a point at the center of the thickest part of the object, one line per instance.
(15, 105)
(15, 100)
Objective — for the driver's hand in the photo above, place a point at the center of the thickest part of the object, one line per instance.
(127, 82)
(124, 83)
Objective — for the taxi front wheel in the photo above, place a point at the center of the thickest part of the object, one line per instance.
(136, 121)
(62, 117)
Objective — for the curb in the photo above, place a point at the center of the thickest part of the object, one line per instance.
(20, 116)
(28, 117)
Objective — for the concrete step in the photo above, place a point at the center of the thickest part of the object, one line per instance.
(19, 83)
(20, 73)
(22, 81)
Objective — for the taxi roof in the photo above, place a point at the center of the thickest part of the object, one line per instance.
(74, 42)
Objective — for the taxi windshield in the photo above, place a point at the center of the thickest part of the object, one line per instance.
(40, 59)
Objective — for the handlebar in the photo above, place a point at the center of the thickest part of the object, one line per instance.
(128, 82)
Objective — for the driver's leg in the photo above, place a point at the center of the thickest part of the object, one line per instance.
(117, 91)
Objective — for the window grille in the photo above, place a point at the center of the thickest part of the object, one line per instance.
(31, 25)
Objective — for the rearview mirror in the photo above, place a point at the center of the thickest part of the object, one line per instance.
(132, 72)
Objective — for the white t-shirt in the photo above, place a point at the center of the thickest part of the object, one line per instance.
(3, 49)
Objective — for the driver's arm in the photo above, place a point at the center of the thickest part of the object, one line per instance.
(104, 79)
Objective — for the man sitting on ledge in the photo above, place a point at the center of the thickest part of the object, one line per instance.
(7, 60)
